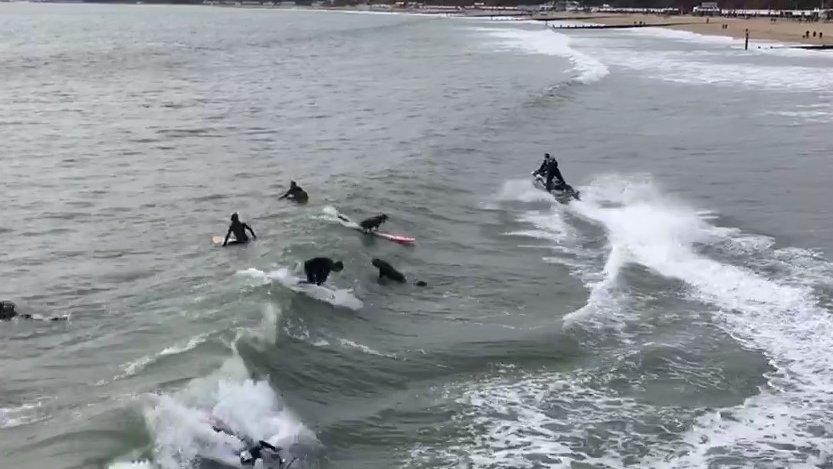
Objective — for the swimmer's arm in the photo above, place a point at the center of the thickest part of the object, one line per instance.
(225, 241)
(250, 230)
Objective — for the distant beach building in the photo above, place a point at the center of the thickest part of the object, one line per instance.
(707, 9)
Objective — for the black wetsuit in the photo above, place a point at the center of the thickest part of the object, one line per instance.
(7, 310)
(552, 171)
(373, 222)
(239, 230)
(542, 170)
(387, 271)
(267, 453)
(318, 269)
(296, 193)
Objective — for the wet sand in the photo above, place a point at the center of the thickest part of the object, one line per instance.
(759, 28)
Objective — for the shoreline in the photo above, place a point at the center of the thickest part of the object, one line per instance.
(787, 31)
(793, 33)
(760, 29)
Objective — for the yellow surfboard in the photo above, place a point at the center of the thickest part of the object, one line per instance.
(217, 240)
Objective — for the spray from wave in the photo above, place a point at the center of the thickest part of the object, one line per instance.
(781, 320)
(216, 417)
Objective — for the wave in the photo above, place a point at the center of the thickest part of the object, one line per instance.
(779, 317)
(182, 424)
(547, 42)
(365, 349)
(532, 420)
(135, 366)
(766, 298)
(711, 67)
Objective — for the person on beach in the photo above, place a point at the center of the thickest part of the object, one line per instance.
(239, 230)
(295, 193)
(319, 268)
(549, 169)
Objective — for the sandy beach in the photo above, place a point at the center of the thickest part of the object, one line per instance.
(759, 28)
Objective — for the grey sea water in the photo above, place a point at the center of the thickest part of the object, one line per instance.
(678, 316)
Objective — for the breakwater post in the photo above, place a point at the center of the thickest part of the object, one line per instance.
(746, 42)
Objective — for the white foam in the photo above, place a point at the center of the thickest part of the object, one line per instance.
(522, 190)
(131, 465)
(546, 42)
(686, 36)
(779, 318)
(537, 420)
(364, 348)
(717, 67)
(181, 424)
(283, 275)
(24, 414)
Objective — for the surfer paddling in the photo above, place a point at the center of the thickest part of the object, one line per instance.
(295, 193)
(386, 271)
(239, 230)
(319, 268)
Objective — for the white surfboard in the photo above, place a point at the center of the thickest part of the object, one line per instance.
(396, 238)
(336, 297)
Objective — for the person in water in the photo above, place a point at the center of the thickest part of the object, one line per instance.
(8, 311)
(549, 170)
(373, 223)
(319, 268)
(239, 230)
(387, 271)
(295, 193)
(268, 454)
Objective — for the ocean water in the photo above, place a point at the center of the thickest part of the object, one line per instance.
(678, 316)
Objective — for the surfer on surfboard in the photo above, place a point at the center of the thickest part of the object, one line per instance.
(295, 193)
(373, 223)
(370, 227)
(319, 268)
(239, 230)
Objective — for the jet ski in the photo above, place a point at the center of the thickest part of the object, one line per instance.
(563, 193)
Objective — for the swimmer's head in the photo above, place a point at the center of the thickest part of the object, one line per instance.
(338, 266)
